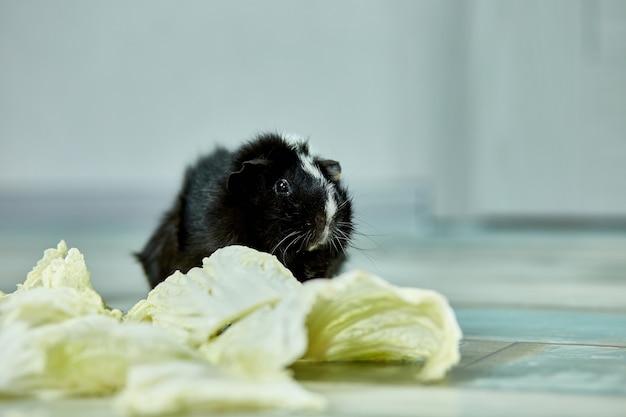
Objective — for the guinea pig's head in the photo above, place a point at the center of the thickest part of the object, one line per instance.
(294, 201)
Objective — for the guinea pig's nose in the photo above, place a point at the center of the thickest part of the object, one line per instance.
(320, 233)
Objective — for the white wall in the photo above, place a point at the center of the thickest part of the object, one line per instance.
(124, 93)
(469, 108)
(537, 124)
(547, 108)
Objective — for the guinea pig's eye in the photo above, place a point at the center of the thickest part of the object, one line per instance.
(282, 187)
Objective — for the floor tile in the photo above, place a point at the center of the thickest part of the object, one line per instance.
(548, 368)
(544, 322)
(533, 270)
(473, 350)
(349, 400)
(390, 373)
(547, 326)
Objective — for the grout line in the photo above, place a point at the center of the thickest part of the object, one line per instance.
(475, 339)
(490, 354)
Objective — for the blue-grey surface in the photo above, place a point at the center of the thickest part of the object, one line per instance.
(543, 316)
(542, 367)
(547, 326)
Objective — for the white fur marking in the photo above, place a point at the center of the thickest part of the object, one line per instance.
(330, 207)
(331, 210)
(309, 166)
(292, 138)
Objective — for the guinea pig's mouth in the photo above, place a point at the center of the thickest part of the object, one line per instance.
(313, 246)
(319, 239)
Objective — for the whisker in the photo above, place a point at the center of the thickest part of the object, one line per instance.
(335, 242)
(294, 241)
(306, 238)
(343, 204)
(289, 236)
(342, 233)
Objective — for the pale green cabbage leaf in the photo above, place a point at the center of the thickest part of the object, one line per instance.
(218, 337)
(88, 355)
(58, 337)
(177, 387)
(56, 289)
(232, 283)
(359, 316)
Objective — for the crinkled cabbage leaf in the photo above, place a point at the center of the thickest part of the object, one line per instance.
(359, 316)
(88, 355)
(57, 336)
(218, 337)
(58, 288)
(232, 283)
(176, 387)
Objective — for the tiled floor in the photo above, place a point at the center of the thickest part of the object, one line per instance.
(543, 314)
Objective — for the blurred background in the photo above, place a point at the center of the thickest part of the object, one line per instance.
(445, 115)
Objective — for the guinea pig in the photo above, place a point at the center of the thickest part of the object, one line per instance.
(272, 195)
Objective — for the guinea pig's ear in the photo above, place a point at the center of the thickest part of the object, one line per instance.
(244, 180)
(332, 168)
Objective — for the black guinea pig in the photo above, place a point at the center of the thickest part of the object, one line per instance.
(272, 195)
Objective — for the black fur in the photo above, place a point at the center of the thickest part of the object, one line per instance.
(241, 197)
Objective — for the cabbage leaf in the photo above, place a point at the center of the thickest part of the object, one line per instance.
(359, 316)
